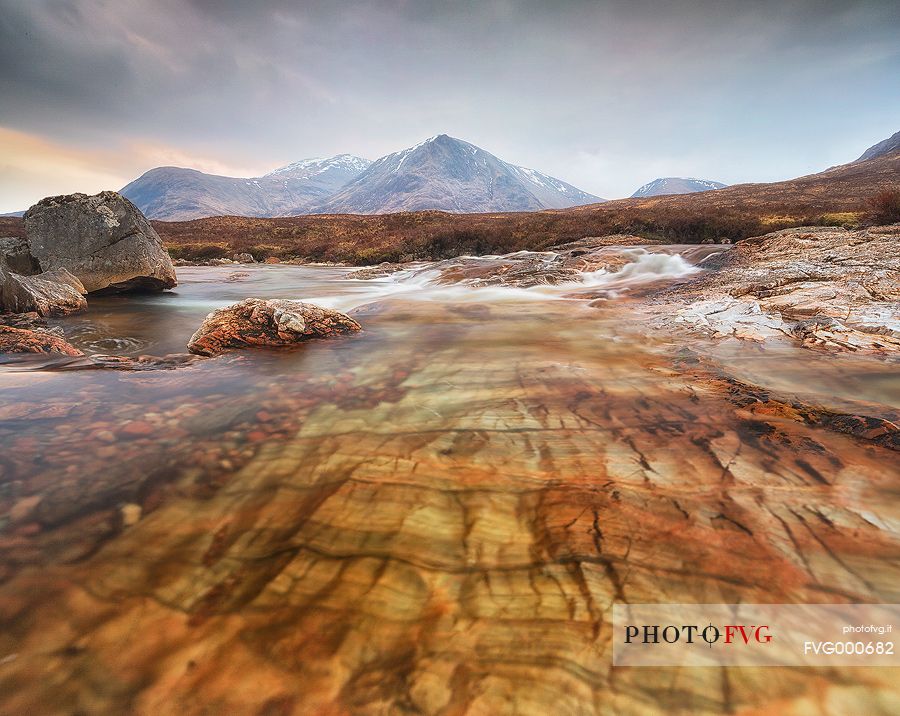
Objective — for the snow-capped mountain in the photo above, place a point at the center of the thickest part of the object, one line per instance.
(676, 185)
(440, 173)
(449, 174)
(178, 194)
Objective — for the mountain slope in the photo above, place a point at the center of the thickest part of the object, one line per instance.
(736, 212)
(889, 146)
(447, 174)
(676, 185)
(178, 194)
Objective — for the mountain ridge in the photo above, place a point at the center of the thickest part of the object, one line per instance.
(676, 185)
(447, 174)
(884, 148)
(181, 194)
(439, 173)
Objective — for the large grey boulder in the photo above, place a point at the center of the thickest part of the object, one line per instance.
(16, 256)
(52, 293)
(103, 239)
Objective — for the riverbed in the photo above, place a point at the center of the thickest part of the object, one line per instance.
(434, 516)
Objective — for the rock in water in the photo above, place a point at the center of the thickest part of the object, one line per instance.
(267, 323)
(20, 340)
(15, 256)
(52, 293)
(103, 239)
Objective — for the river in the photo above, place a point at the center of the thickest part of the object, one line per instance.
(434, 516)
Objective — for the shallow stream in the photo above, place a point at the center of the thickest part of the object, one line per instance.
(435, 514)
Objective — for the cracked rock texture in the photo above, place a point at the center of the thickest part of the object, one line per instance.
(103, 239)
(15, 256)
(439, 529)
(824, 287)
(267, 323)
(51, 293)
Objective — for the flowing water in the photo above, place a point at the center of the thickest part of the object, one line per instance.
(434, 516)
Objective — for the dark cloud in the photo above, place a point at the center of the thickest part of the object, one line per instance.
(605, 94)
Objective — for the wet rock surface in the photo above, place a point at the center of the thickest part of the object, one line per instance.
(560, 264)
(24, 340)
(436, 517)
(379, 271)
(267, 323)
(825, 287)
(104, 240)
(51, 293)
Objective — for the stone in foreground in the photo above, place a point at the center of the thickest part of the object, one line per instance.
(272, 323)
(103, 239)
(52, 293)
(20, 340)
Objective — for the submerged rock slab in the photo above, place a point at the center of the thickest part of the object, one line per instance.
(825, 287)
(271, 323)
(103, 239)
(425, 530)
(435, 518)
(52, 293)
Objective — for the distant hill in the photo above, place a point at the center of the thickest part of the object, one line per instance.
(676, 185)
(178, 194)
(449, 174)
(886, 148)
(440, 173)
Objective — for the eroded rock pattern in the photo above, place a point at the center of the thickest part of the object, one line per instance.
(267, 323)
(103, 239)
(825, 287)
(51, 293)
(440, 529)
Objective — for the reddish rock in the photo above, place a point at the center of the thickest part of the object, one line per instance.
(272, 323)
(19, 340)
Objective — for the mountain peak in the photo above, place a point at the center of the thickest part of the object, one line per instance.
(449, 174)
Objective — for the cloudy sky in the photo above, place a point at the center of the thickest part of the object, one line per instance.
(606, 95)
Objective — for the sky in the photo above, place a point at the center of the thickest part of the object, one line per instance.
(604, 95)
